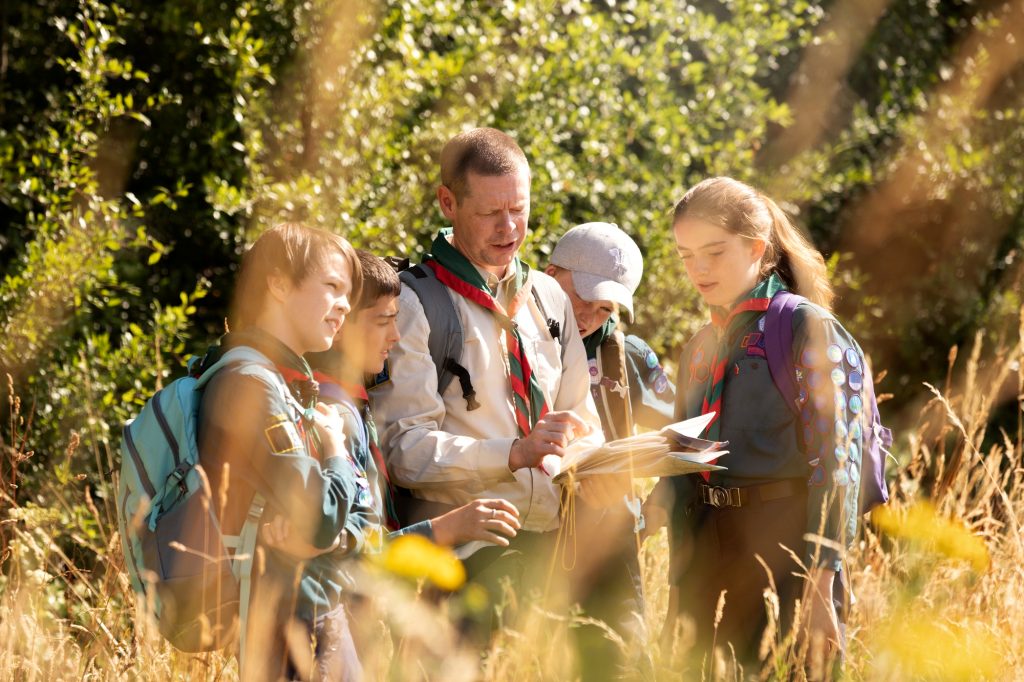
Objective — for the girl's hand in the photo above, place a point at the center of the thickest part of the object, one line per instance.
(822, 622)
(493, 521)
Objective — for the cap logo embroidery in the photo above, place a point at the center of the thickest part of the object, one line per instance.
(619, 261)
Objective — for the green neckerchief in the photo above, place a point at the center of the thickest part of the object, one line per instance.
(447, 255)
(731, 320)
(597, 337)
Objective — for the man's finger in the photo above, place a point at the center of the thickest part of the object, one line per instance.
(502, 505)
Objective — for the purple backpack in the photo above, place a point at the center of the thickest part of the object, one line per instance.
(778, 347)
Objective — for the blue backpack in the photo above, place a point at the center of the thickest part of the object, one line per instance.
(778, 345)
(191, 577)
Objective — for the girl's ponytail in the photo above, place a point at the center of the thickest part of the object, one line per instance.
(794, 258)
(741, 209)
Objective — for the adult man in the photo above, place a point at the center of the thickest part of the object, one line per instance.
(527, 368)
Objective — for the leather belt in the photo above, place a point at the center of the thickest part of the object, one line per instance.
(719, 496)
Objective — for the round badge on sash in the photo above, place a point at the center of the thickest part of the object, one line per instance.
(856, 404)
(856, 431)
(856, 381)
(838, 376)
(834, 353)
(841, 477)
(840, 403)
(807, 358)
(594, 378)
(841, 431)
(651, 359)
(841, 455)
(852, 359)
(854, 452)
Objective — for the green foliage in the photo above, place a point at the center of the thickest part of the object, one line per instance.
(142, 144)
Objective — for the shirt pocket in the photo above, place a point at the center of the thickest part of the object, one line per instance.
(752, 402)
(546, 363)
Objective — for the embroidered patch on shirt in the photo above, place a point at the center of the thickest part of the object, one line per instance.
(383, 377)
(282, 435)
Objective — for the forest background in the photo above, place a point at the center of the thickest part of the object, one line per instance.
(143, 145)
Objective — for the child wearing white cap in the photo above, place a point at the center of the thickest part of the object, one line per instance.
(599, 267)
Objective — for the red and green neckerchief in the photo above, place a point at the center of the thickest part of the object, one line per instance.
(456, 272)
(359, 394)
(727, 324)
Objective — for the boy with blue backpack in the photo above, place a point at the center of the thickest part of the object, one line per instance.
(265, 442)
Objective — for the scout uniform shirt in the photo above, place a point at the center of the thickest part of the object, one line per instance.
(443, 451)
(246, 424)
(373, 485)
(767, 442)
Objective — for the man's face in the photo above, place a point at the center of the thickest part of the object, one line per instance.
(590, 315)
(369, 335)
(315, 308)
(490, 222)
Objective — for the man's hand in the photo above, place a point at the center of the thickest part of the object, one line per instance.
(489, 520)
(550, 436)
(278, 534)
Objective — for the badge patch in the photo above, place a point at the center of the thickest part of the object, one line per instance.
(283, 436)
(651, 359)
(661, 383)
(834, 353)
(594, 378)
(700, 372)
(383, 377)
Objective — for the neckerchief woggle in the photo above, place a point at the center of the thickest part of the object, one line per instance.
(727, 324)
(457, 273)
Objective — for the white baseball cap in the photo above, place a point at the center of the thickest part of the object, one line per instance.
(605, 262)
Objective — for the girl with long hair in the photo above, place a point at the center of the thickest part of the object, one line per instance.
(789, 490)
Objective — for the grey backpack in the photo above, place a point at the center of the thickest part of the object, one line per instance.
(446, 340)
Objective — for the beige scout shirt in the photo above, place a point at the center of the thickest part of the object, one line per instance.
(444, 453)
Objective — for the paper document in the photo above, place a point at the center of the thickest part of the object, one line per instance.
(676, 449)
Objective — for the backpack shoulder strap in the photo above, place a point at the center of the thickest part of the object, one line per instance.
(244, 546)
(552, 309)
(445, 341)
(778, 345)
(615, 385)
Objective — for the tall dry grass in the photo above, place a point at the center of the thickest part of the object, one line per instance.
(938, 577)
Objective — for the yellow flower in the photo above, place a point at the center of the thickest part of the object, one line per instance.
(925, 646)
(922, 524)
(414, 556)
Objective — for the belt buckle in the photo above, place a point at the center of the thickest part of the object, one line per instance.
(719, 497)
